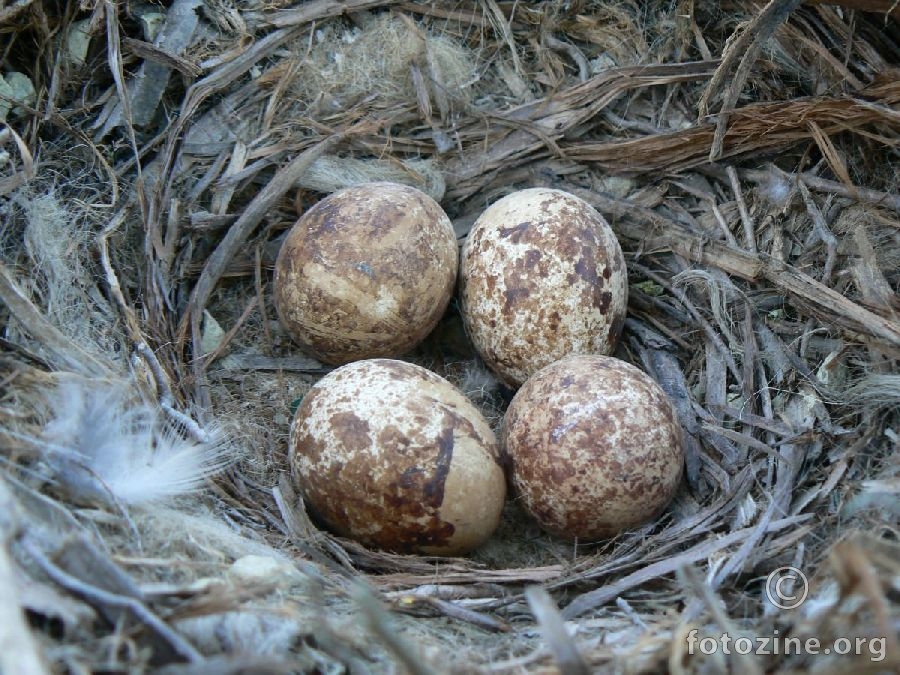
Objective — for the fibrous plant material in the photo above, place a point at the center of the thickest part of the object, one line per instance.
(744, 48)
(759, 128)
(329, 174)
(376, 59)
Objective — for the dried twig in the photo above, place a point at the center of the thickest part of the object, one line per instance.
(831, 306)
(566, 654)
(315, 11)
(688, 576)
(19, 652)
(821, 229)
(237, 234)
(596, 598)
(746, 220)
(452, 610)
(20, 178)
(105, 600)
(553, 116)
(379, 622)
(891, 201)
(746, 47)
(584, 68)
(857, 574)
(62, 350)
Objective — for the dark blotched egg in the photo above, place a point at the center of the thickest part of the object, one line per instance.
(542, 276)
(394, 456)
(593, 447)
(366, 272)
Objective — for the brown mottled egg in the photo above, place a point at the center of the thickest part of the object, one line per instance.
(593, 447)
(366, 272)
(396, 457)
(542, 276)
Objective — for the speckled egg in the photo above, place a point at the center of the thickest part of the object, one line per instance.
(394, 456)
(542, 276)
(593, 447)
(366, 272)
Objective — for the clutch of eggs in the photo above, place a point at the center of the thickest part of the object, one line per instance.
(394, 456)
(366, 272)
(541, 276)
(593, 447)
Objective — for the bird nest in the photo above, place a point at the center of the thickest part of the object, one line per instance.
(154, 155)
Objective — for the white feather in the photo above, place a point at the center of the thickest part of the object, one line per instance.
(777, 188)
(106, 444)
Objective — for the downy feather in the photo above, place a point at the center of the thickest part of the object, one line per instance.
(105, 444)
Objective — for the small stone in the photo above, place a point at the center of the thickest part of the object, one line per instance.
(260, 569)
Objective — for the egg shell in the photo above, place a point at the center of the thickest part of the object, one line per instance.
(366, 272)
(593, 447)
(394, 456)
(542, 276)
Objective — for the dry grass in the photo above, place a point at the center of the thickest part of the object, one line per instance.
(746, 155)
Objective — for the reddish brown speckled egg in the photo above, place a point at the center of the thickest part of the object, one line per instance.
(366, 272)
(593, 447)
(394, 456)
(542, 276)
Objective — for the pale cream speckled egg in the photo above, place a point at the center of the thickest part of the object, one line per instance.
(593, 447)
(542, 276)
(396, 457)
(366, 272)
